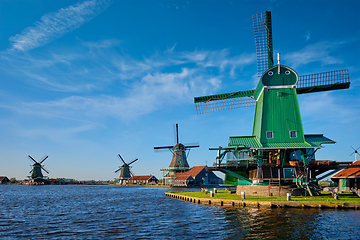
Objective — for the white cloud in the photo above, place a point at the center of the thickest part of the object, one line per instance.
(152, 92)
(99, 65)
(220, 59)
(329, 106)
(319, 52)
(56, 24)
(97, 81)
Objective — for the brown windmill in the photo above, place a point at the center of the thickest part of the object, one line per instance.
(179, 161)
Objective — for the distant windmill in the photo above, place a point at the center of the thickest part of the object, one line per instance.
(36, 173)
(356, 152)
(125, 172)
(179, 161)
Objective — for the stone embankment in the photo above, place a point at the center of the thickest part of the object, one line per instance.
(247, 203)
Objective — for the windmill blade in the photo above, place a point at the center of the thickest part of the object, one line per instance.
(263, 41)
(133, 161)
(117, 170)
(30, 157)
(326, 81)
(44, 169)
(122, 158)
(31, 170)
(44, 159)
(192, 146)
(164, 147)
(220, 102)
(355, 150)
(177, 133)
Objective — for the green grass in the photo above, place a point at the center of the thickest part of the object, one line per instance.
(222, 194)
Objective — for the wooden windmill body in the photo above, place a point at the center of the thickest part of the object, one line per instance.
(125, 172)
(179, 161)
(278, 149)
(37, 176)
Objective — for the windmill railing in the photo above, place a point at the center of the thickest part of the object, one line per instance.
(235, 162)
(175, 168)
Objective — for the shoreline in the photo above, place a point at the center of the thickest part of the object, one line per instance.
(269, 204)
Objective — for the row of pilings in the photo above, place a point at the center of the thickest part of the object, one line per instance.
(247, 203)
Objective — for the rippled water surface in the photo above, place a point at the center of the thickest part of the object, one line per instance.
(137, 212)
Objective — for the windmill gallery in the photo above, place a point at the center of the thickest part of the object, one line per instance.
(278, 157)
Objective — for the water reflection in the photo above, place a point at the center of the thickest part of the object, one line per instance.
(136, 212)
(286, 223)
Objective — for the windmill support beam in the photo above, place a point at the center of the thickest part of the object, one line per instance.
(238, 176)
(329, 174)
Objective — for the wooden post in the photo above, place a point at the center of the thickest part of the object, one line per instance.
(308, 188)
(279, 173)
(242, 195)
(288, 196)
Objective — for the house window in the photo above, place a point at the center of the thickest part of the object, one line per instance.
(293, 134)
(270, 134)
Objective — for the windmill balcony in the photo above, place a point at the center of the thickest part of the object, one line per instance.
(234, 162)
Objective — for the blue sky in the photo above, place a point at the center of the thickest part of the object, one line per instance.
(82, 81)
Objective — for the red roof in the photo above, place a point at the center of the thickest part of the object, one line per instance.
(140, 178)
(183, 177)
(1, 178)
(349, 172)
(191, 172)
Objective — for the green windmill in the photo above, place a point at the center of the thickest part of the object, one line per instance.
(36, 173)
(278, 148)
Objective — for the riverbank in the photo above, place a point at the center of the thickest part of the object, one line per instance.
(223, 198)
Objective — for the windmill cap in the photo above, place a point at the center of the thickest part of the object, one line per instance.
(286, 78)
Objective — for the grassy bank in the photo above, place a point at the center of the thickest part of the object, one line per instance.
(328, 198)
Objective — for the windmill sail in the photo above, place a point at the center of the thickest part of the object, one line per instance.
(133, 161)
(264, 51)
(37, 167)
(263, 40)
(326, 81)
(219, 102)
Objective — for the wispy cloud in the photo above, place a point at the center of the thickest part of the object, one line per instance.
(319, 52)
(329, 106)
(98, 81)
(96, 65)
(220, 59)
(153, 92)
(56, 24)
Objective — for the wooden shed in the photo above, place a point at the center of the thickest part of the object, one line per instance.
(348, 179)
(4, 179)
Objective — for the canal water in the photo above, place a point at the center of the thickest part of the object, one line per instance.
(138, 212)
